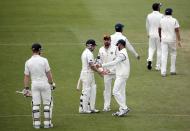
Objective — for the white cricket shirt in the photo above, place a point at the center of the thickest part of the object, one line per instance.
(86, 58)
(37, 67)
(168, 24)
(122, 64)
(118, 36)
(152, 23)
(108, 55)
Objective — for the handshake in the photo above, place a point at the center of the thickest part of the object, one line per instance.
(101, 71)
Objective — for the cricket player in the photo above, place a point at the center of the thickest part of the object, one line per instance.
(107, 53)
(170, 35)
(38, 70)
(88, 95)
(122, 74)
(152, 24)
(118, 36)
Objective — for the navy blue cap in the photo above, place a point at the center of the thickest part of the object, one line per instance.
(36, 47)
(91, 42)
(121, 42)
(168, 11)
(119, 26)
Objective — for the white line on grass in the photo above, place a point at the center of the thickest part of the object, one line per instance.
(70, 115)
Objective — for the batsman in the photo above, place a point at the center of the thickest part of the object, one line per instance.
(38, 70)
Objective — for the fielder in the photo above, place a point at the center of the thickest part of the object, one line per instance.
(122, 73)
(37, 68)
(118, 36)
(169, 35)
(107, 53)
(152, 24)
(88, 95)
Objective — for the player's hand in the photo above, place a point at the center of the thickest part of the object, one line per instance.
(26, 92)
(98, 66)
(179, 44)
(52, 85)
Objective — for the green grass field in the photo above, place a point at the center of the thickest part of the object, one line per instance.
(158, 104)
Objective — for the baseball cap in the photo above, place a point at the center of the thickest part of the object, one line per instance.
(168, 11)
(121, 42)
(91, 42)
(107, 37)
(119, 26)
(36, 47)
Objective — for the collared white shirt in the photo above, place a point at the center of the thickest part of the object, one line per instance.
(108, 55)
(152, 23)
(37, 67)
(118, 36)
(87, 57)
(168, 24)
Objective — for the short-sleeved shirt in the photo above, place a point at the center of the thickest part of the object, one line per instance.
(37, 67)
(152, 23)
(168, 24)
(87, 57)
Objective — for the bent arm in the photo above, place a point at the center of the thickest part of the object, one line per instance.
(118, 59)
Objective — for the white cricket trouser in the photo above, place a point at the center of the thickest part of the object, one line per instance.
(119, 92)
(88, 91)
(41, 90)
(154, 43)
(171, 47)
(107, 90)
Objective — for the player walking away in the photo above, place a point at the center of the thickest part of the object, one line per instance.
(152, 24)
(88, 96)
(37, 68)
(107, 53)
(122, 73)
(168, 31)
(118, 36)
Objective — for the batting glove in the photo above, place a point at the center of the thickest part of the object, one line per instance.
(52, 85)
(26, 92)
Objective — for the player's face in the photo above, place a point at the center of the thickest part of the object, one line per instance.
(93, 47)
(107, 42)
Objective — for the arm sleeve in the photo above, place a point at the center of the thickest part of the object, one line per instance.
(176, 24)
(130, 48)
(47, 67)
(90, 58)
(119, 58)
(26, 69)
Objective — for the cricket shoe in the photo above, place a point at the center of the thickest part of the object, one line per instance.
(48, 126)
(123, 112)
(36, 126)
(95, 111)
(106, 109)
(163, 75)
(116, 113)
(85, 112)
(149, 65)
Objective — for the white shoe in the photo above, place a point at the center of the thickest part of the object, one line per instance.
(36, 126)
(116, 113)
(106, 109)
(95, 111)
(48, 126)
(85, 112)
(123, 112)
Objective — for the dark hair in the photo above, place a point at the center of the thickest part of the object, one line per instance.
(156, 6)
